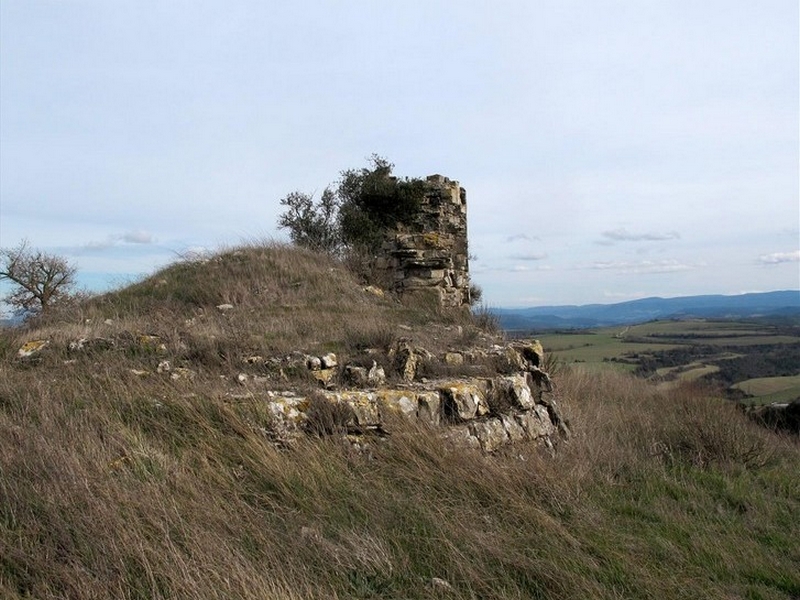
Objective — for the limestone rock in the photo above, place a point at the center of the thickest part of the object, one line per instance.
(514, 430)
(376, 376)
(406, 361)
(531, 352)
(288, 412)
(462, 435)
(329, 361)
(32, 348)
(454, 358)
(540, 379)
(490, 433)
(356, 376)
(403, 401)
(364, 406)
(512, 390)
(463, 400)
(536, 422)
(429, 407)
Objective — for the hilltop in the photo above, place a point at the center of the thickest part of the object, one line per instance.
(122, 479)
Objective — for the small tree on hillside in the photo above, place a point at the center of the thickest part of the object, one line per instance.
(312, 225)
(40, 280)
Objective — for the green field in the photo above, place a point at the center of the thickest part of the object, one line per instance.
(772, 389)
(759, 359)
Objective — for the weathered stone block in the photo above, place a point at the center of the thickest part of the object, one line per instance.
(462, 435)
(514, 391)
(490, 433)
(402, 401)
(32, 348)
(463, 401)
(514, 430)
(535, 423)
(364, 404)
(429, 407)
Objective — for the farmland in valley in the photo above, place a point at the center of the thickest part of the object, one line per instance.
(757, 360)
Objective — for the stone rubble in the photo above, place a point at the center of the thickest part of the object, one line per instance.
(481, 412)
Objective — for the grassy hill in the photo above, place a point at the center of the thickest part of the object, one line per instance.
(118, 482)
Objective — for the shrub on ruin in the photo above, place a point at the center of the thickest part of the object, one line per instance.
(374, 201)
(353, 217)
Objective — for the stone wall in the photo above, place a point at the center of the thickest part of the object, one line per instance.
(430, 255)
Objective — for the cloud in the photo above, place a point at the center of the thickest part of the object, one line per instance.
(136, 237)
(620, 296)
(530, 257)
(131, 237)
(643, 267)
(521, 237)
(623, 235)
(780, 257)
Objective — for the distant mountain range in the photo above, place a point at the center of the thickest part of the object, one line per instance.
(772, 304)
(11, 322)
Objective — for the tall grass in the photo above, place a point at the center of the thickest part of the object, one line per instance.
(120, 487)
(114, 485)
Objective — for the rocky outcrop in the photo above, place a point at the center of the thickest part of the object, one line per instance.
(486, 413)
(482, 412)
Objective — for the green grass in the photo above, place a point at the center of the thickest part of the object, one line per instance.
(624, 348)
(596, 347)
(771, 389)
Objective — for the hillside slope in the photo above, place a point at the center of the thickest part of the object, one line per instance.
(120, 482)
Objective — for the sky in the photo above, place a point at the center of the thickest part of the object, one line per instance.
(610, 149)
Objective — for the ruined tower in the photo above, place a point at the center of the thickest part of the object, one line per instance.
(430, 254)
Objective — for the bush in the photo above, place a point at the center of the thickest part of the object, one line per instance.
(355, 217)
(312, 225)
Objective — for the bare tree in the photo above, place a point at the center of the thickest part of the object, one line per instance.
(39, 280)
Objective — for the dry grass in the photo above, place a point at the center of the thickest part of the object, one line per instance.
(116, 486)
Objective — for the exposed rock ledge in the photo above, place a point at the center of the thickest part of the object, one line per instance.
(485, 413)
(482, 412)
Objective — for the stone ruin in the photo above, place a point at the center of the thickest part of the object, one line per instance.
(482, 412)
(430, 255)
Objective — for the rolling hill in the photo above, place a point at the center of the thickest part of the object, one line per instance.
(779, 303)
